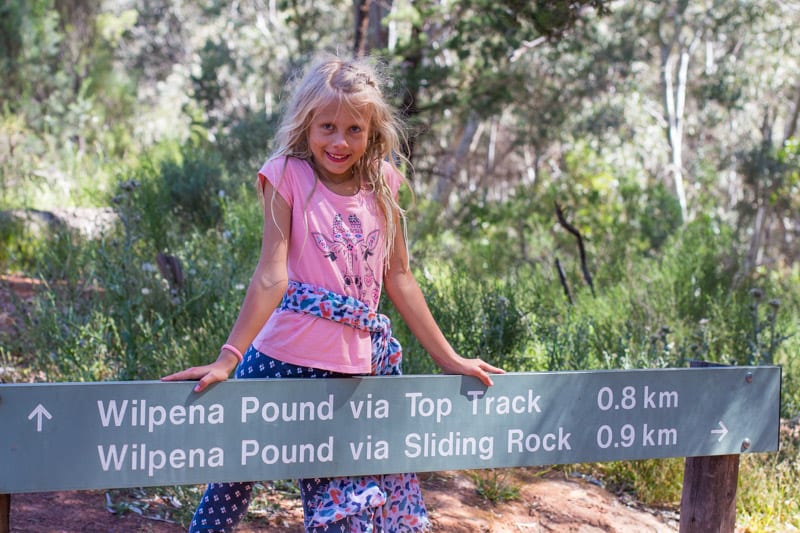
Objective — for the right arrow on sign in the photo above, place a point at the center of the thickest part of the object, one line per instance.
(722, 431)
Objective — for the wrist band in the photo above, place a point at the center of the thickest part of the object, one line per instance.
(234, 350)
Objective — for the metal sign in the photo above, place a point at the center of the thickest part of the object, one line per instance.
(62, 436)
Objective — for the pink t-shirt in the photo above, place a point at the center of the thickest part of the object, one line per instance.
(337, 242)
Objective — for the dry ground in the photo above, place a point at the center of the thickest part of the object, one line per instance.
(546, 504)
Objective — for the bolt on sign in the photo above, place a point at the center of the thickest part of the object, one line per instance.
(64, 436)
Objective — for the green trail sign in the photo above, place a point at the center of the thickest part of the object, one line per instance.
(121, 434)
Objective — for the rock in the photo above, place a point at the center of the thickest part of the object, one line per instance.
(89, 222)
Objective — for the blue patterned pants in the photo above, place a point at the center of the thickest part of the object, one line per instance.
(223, 505)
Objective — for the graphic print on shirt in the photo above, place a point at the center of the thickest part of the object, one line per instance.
(351, 252)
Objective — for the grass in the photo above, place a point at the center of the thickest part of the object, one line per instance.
(767, 499)
(494, 486)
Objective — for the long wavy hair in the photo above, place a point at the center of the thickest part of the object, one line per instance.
(355, 83)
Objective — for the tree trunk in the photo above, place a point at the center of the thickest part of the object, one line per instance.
(791, 125)
(676, 53)
(361, 9)
(754, 251)
(675, 73)
(410, 108)
(370, 33)
(449, 174)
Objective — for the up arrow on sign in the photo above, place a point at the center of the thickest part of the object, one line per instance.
(40, 412)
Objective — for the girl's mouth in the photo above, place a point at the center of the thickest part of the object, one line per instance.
(336, 158)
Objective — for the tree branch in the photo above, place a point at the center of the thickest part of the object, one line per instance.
(563, 278)
(574, 231)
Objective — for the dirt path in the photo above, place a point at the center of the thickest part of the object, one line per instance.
(546, 503)
(549, 504)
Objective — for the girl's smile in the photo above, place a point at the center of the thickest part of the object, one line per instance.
(337, 138)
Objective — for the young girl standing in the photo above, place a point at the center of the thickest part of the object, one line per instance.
(333, 233)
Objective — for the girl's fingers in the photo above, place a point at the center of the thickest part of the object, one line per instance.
(477, 368)
(204, 375)
(190, 374)
(209, 379)
(177, 376)
(202, 384)
(484, 369)
(493, 369)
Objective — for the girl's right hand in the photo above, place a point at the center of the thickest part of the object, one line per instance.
(206, 375)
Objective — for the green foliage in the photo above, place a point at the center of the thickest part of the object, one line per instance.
(208, 87)
(651, 311)
(766, 497)
(493, 485)
(625, 212)
(553, 18)
(654, 482)
(656, 306)
(110, 314)
(773, 173)
(174, 188)
(480, 318)
(67, 107)
(245, 145)
(12, 241)
(483, 35)
(194, 185)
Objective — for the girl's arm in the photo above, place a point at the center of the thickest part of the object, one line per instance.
(407, 297)
(264, 293)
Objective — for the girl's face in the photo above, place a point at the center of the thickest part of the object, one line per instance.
(337, 138)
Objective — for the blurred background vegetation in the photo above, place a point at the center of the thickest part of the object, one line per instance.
(599, 185)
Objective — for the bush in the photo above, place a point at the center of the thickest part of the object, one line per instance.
(766, 497)
(481, 319)
(654, 482)
(173, 189)
(110, 313)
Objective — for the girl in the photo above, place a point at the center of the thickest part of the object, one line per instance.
(333, 233)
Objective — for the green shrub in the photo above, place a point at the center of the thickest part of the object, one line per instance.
(109, 313)
(480, 318)
(766, 499)
(493, 485)
(654, 482)
(244, 147)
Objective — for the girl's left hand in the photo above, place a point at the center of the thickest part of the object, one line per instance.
(473, 367)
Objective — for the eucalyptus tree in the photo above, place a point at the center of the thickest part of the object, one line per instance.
(686, 33)
(729, 93)
(762, 79)
(459, 62)
(697, 98)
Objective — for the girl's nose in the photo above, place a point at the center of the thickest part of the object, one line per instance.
(339, 140)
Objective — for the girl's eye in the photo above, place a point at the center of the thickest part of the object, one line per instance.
(327, 126)
(355, 129)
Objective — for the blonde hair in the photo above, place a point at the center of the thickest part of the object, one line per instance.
(356, 84)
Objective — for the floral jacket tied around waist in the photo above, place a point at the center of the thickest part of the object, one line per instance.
(379, 504)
